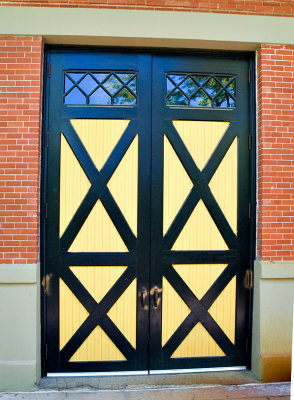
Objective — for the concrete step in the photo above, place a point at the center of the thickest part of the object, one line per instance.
(253, 391)
(139, 381)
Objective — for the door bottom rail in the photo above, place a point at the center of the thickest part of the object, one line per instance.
(151, 372)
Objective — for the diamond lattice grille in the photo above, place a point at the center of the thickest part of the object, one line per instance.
(100, 88)
(200, 90)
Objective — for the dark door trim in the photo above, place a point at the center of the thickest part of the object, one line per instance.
(44, 168)
(162, 256)
(56, 257)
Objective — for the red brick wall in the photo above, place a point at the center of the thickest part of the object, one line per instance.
(20, 106)
(20, 110)
(275, 87)
(258, 7)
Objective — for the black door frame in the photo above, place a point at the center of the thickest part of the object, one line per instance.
(252, 144)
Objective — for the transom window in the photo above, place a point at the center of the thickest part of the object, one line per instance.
(100, 88)
(195, 90)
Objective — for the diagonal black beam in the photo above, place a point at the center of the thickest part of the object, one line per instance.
(106, 197)
(199, 310)
(219, 285)
(117, 337)
(179, 335)
(98, 185)
(90, 304)
(109, 328)
(201, 186)
(118, 219)
(220, 152)
(193, 197)
(97, 315)
(79, 290)
(79, 151)
(181, 219)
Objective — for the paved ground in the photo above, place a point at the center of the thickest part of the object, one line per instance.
(252, 391)
(225, 385)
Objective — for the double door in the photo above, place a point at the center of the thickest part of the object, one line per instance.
(146, 226)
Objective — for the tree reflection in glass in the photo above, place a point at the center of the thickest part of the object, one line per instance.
(200, 90)
(100, 88)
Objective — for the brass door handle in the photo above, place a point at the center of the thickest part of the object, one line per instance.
(144, 295)
(248, 279)
(156, 296)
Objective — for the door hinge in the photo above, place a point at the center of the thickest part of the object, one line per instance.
(249, 209)
(46, 210)
(46, 351)
(47, 139)
(46, 283)
(249, 75)
(249, 142)
(49, 71)
(248, 279)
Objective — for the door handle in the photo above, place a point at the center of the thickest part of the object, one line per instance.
(144, 294)
(248, 279)
(156, 296)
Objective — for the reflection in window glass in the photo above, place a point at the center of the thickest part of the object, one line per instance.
(75, 96)
(195, 90)
(100, 97)
(88, 84)
(112, 85)
(188, 86)
(178, 98)
(100, 88)
(125, 97)
(200, 99)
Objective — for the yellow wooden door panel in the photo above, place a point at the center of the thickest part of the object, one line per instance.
(223, 310)
(201, 138)
(71, 314)
(124, 313)
(74, 184)
(98, 347)
(224, 185)
(124, 185)
(199, 277)
(98, 279)
(174, 311)
(98, 233)
(176, 185)
(99, 136)
(198, 343)
(200, 232)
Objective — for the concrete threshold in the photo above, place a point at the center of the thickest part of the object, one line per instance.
(270, 391)
(193, 386)
(120, 382)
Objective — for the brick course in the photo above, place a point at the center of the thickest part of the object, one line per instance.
(250, 7)
(275, 90)
(20, 110)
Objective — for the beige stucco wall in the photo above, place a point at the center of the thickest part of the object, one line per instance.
(114, 27)
(20, 327)
(292, 373)
(272, 320)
